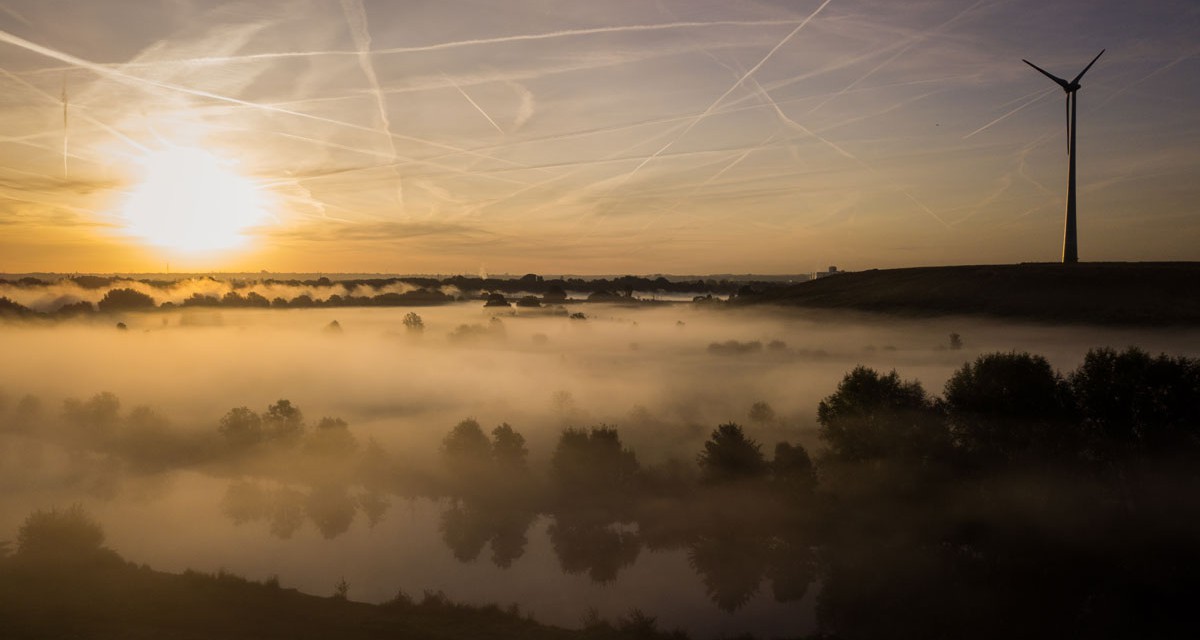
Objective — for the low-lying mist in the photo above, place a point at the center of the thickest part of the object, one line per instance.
(312, 443)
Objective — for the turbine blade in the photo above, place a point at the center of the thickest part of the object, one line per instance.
(1085, 69)
(1062, 83)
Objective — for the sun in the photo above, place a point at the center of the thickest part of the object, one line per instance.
(191, 201)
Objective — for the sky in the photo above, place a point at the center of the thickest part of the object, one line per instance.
(598, 136)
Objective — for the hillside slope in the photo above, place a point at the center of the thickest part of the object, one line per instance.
(1137, 293)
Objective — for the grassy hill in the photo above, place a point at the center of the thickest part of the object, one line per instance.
(1135, 293)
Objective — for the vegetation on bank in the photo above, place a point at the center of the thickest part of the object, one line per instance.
(1021, 501)
(122, 294)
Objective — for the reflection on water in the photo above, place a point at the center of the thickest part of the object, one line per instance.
(467, 526)
(554, 567)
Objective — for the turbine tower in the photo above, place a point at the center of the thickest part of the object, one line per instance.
(1070, 246)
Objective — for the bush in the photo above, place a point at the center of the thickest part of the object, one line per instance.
(71, 532)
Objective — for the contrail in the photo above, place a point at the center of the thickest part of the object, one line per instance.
(1041, 95)
(356, 18)
(137, 80)
(915, 40)
(66, 130)
(846, 154)
(1147, 76)
(473, 103)
(552, 35)
(704, 114)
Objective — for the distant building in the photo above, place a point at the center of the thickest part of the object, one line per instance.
(822, 274)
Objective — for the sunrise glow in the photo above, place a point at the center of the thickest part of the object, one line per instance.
(190, 201)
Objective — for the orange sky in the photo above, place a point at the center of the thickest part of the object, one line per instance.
(589, 137)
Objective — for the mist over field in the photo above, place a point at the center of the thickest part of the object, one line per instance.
(133, 424)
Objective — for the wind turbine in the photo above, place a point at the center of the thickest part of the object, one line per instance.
(1070, 246)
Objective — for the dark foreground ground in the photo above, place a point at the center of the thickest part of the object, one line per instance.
(1119, 293)
(104, 597)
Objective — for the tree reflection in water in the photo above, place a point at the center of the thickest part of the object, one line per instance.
(468, 525)
(586, 543)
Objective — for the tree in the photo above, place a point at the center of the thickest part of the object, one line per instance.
(592, 462)
(729, 456)
(283, 421)
(1005, 405)
(761, 412)
(466, 449)
(241, 427)
(125, 300)
(1132, 400)
(233, 299)
(256, 300)
(792, 472)
(96, 419)
(413, 323)
(332, 437)
(508, 447)
(873, 416)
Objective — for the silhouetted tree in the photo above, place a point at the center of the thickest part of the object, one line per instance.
(873, 416)
(256, 300)
(1131, 401)
(592, 463)
(71, 533)
(466, 447)
(283, 421)
(761, 412)
(497, 300)
(332, 437)
(96, 419)
(729, 456)
(508, 447)
(125, 300)
(1007, 405)
(241, 427)
(233, 299)
(73, 309)
(792, 472)
(413, 323)
(13, 308)
(201, 300)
